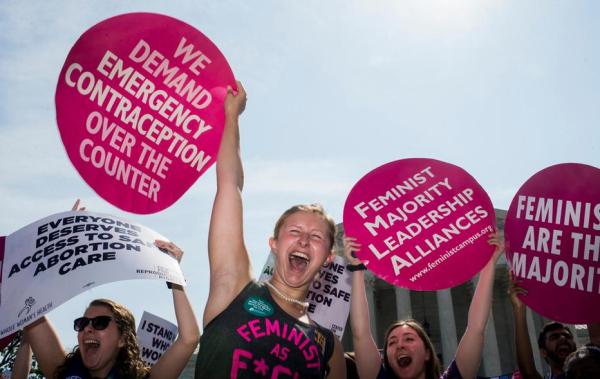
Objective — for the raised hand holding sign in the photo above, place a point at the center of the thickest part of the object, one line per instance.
(552, 234)
(139, 106)
(423, 224)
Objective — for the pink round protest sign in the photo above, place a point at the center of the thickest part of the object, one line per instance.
(423, 224)
(552, 233)
(139, 107)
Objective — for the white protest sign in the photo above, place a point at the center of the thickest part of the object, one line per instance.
(56, 258)
(328, 296)
(155, 335)
(4, 341)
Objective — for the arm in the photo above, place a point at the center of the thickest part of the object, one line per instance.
(174, 360)
(525, 359)
(22, 363)
(46, 346)
(228, 258)
(368, 359)
(42, 338)
(470, 347)
(337, 363)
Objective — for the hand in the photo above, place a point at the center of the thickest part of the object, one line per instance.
(76, 207)
(514, 290)
(498, 242)
(350, 247)
(235, 103)
(170, 248)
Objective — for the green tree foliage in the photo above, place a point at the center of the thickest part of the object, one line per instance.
(8, 355)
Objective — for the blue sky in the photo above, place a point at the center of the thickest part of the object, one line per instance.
(336, 88)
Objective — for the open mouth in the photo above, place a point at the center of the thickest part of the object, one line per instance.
(91, 344)
(299, 261)
(564, 349)
(404, 361)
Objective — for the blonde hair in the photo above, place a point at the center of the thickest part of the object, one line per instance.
(311, 208)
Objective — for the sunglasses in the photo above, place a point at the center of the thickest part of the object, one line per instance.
(98, 323)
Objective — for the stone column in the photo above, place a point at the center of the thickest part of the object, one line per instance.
(576, 338)
(403, 306)
(490, 357)
(447, 325)
(370, 289)
(491, 354)
(533, 337)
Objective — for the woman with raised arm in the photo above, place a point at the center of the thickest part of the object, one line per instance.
(408, 351)
(107, 343)
(251, 329)
(23, 358)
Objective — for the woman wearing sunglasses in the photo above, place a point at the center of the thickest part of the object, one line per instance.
(107, 344)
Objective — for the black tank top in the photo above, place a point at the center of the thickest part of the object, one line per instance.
(255, 338)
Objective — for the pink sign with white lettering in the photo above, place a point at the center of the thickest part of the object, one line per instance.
(139, 107)
(423, 224)
(552, 233)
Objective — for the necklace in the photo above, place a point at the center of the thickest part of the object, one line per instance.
(303, 304)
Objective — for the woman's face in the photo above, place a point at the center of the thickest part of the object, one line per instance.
(301, 248)
(99, 348)
(406, 353)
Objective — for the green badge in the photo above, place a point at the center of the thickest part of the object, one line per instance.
(258, 306)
